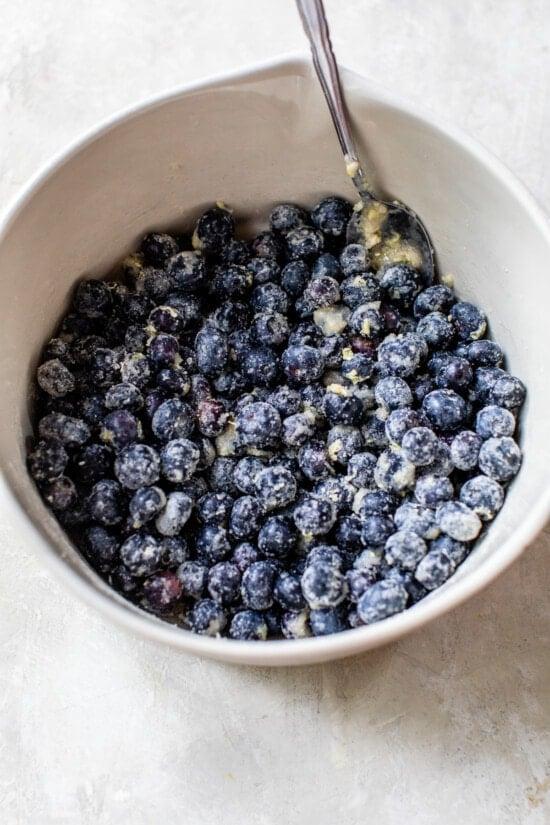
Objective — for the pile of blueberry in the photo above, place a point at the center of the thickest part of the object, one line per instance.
(271, 438)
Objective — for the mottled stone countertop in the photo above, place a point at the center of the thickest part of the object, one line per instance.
(448, 726)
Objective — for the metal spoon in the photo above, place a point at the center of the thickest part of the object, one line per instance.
(390, 229)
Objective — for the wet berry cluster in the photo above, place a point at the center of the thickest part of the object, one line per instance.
(282, 437)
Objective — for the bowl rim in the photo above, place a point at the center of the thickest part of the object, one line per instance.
(295, 651)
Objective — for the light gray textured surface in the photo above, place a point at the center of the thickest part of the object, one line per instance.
(448, 726)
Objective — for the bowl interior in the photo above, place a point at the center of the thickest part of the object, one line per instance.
(254, 140)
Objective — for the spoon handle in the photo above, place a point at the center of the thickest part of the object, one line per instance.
(315, 25)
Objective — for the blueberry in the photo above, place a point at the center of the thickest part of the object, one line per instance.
(244, 555)
(220, 475)
(260, 366)
(442, 465)
(172, 419)
(470, 322)
(124, 396)
(288, 592)
(258, 425)
(437, 298)
(230, 384)
(431, 490)
(354, 259)
(295, 624)
(211, 351)
(214, 229)
(341, 409)
(331, 216)
(173, 380)
(100, 548)
(306, 334)
(92, 463)
(325, 553)
(156, 283)
(141, 554)
(229, 316)
(325, 621)
(145, 504)
(484, 380)
(135, 369)
(465, 450)
(323, 585)
(287, 216)
(188, 308)
(413, 518)
(366, 320)
(48, 460)
(93, 299)
(483, 495)
(70, 431)
(500, 458)
(399, 422)
(325, 266)
(174, 551)
(207, 618)
(245, 473)
(337, 490)
(235, 252)
(360, 469)
(286, 400)
(60, 493)
(376, 529)
(508, 392)
(400, 355)
(434, 569)
(214, 508)
(224, 581)
(445, 409)
(192, 576)
(360, 289)
(137, 465)
(377, 502)
(313, 516)
(270, 329)
(359, 580)
(297, 430)
(175, 514)
(419, 445)
(257, 585)
(401, 283)
(393, 392)
(245, 517)
(212, 543)
(485, 354)
(382, 599)
(343, 442)
(179, 459)
(347, 533)
(54, 378)
(304, 243)
(394, 473)
(162, 591)
(421, 386)
(458, 521)
(294, 277)
(157, 248)
(269, 297)
(313, 461)
(322, 291)
(275, 487)
(437, 330)
(248, 625)
(405, 549)
(455, 374)
(135, 338)
(358, 368)
(495, 422)
(268, 245)
(276, 537)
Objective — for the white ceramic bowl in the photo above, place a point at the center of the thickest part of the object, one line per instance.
(255, 138)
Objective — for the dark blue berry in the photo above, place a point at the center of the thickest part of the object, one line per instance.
(500, 458)
(304, 243)
(248, 626)
(179, 459)
(207, 618)
(445, 409)
(380, 600)
(276, 537)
